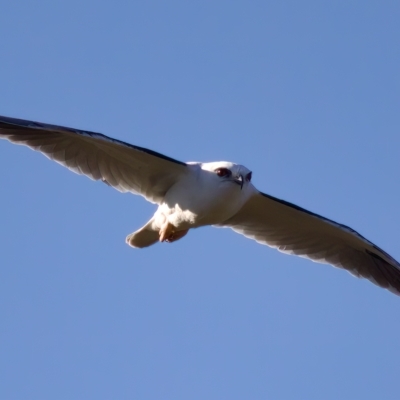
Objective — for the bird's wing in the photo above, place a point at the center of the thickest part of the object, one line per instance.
(125, 167)
(294, 230)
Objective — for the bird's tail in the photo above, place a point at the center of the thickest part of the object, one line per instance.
(144, 237)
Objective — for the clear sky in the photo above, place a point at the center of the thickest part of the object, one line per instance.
(305, 94)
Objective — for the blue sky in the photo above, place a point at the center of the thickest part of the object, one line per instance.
(305, 94)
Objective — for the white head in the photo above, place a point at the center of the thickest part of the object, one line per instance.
(229, 172)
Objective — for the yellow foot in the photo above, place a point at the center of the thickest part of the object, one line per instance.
(169, 234)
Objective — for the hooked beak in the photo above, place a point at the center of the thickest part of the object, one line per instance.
(239, 180)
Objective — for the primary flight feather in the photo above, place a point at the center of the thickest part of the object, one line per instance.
(190, 195)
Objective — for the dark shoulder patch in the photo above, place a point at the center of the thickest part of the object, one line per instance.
(21, 124)
(298, 208)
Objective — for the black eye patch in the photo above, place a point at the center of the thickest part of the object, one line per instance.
(223, 172)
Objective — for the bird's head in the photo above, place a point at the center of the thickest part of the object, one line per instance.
(229, 172)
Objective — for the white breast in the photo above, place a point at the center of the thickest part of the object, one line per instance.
(202, 198)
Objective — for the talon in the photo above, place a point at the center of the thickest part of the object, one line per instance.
(176, 236)
(166, 232)
(169, 235)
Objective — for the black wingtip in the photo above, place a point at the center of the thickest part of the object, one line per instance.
(389, 271)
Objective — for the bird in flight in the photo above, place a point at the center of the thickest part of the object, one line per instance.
(191, 195)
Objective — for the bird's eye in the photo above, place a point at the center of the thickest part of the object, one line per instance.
(223, 172)
(248, 177)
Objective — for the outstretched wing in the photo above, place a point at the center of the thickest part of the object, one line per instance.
(294, 230)
(123, 166)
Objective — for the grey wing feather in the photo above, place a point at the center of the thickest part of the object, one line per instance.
(294, 230)
(123, 166)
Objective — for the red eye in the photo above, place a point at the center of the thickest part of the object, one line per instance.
(248, 177)
(223, 172)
